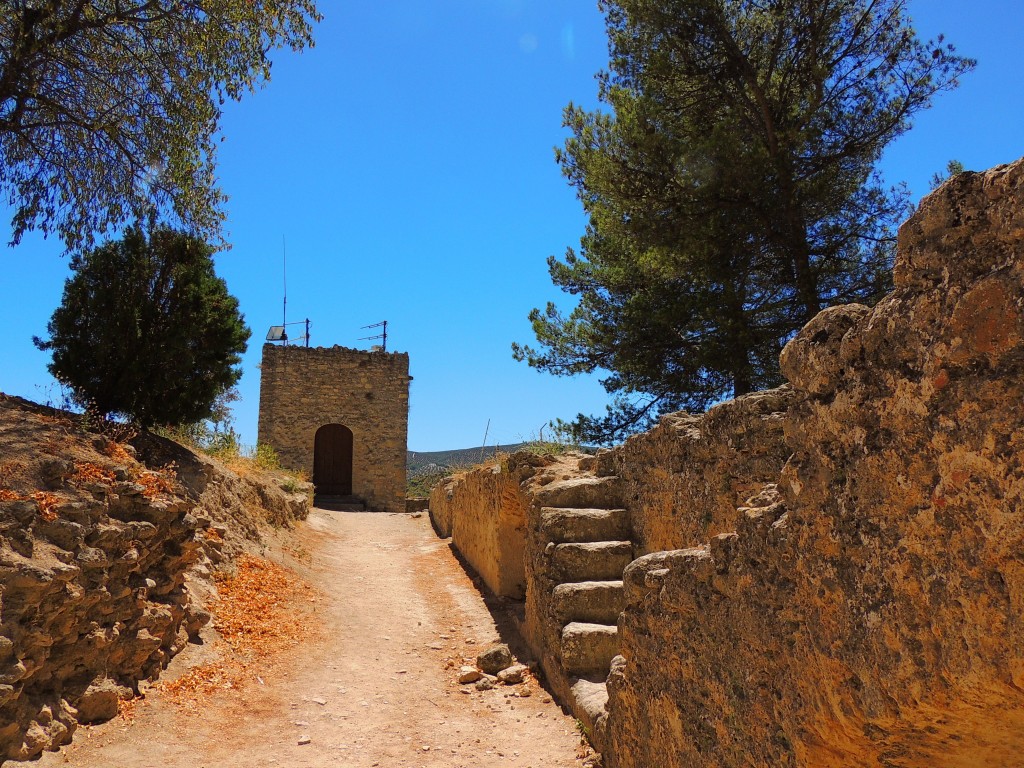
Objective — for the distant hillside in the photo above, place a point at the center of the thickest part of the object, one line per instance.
(425, 469)
(428, 462)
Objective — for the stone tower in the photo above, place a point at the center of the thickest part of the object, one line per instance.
(341, 415)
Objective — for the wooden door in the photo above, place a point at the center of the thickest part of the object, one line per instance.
(332, 460)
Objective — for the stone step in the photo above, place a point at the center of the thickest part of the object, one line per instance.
(588, 649)
(590, 561)
(339, 503)
(582, 492)
(590, 705)
(592, 602)
(580, 525)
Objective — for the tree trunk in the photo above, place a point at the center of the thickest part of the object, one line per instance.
(739, 338)
(794, 242)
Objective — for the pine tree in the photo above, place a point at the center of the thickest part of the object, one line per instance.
(731, 191)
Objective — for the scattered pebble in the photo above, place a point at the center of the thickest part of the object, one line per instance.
(485, 683)
(495, 658)
(304, 740)
(512, 675)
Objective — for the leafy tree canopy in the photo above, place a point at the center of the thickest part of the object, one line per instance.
(731, 192)
(109, 109)
(147, 331)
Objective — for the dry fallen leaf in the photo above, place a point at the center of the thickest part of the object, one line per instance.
(256, 619)
(47, 503)
(87, 472)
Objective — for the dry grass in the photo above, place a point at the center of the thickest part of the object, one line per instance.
(242, 466)
(257, 619)
(60, 419)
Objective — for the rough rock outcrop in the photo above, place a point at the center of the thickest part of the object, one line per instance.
(95, 549)
(871, 611)
(683, 480)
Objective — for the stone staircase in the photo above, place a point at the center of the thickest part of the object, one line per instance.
(584, 542)
(339, 503)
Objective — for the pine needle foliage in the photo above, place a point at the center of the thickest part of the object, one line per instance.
(731, 190)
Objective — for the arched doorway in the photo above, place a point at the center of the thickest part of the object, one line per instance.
(332, 460)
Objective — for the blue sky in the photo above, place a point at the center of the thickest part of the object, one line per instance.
(407, 162)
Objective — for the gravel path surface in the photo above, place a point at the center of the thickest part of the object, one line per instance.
(376, 687)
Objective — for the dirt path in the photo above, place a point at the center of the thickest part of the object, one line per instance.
(396, 607)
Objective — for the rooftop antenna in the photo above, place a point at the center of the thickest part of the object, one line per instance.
(279, 332)
(484, 446)
(284, 283)
(383, 335)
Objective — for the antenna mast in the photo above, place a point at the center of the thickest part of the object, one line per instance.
(383, 335)
(284, 282)
(280, 332)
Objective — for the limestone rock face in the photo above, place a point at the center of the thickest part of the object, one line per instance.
(870, 611)
(99, 702)
(494, 659)
(684, 479)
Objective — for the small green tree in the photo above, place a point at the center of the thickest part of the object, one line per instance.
(953, 168)
(146, 330)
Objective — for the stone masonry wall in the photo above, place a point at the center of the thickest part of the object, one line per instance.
(441, 506)
(303, 389)
(484, 511)
(870, 611)
(512, 520)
